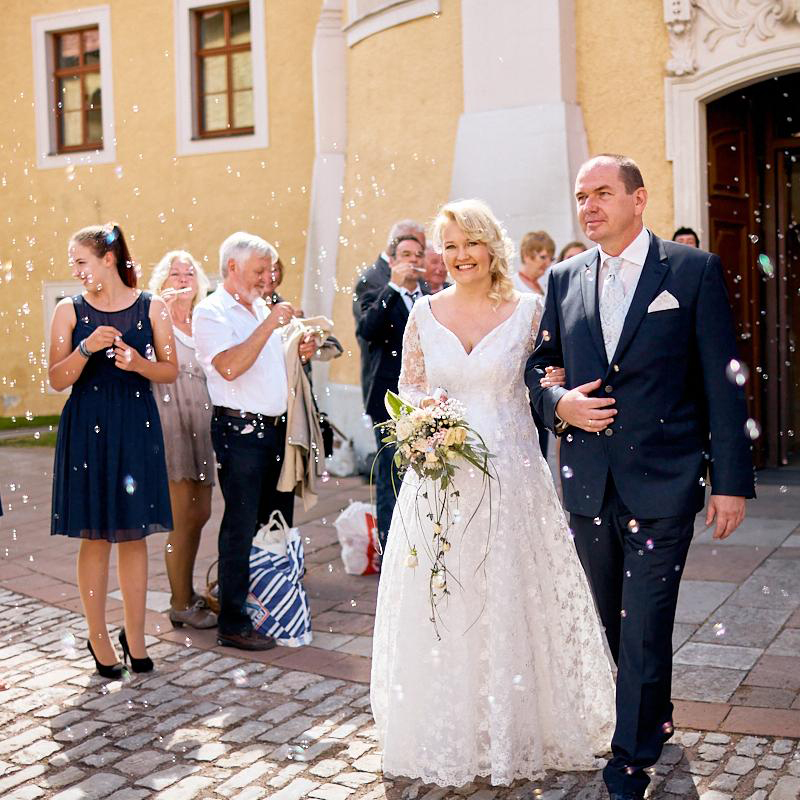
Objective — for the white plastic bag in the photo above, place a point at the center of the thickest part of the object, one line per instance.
(272, 536)
(358, 536)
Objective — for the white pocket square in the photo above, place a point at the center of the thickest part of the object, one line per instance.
(663, 302)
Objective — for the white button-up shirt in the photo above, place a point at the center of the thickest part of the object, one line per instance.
(220, 322)
(408, 299)
(633, 258)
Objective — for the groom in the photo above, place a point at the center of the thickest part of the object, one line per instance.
(644, 330)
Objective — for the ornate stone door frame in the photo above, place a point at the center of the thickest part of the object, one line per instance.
(716, 47)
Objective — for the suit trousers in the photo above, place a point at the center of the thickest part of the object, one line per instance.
(387, 482)
(249, 459)
(634, 567)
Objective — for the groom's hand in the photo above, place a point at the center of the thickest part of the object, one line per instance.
(590, 414)
(729, 512)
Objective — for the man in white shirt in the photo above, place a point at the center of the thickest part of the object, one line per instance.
(238, 344)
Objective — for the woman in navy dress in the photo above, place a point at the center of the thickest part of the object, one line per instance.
(110, 480)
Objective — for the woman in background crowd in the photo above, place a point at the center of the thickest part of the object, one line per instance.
(536, 251)
(185, 410)
(571, 249)
(110, 480)
(272, 282)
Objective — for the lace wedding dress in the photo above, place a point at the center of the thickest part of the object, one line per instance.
(520, 681)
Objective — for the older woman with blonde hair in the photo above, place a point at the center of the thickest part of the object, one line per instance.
(469, 646)
(185, 411)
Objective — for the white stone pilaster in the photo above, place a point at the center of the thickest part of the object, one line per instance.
(521, 137)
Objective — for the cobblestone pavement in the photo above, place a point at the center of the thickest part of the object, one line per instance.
(294, 723)
(210, 726)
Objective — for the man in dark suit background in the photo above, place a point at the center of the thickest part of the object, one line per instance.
(375, 279)
(644, 330)
(382, 320)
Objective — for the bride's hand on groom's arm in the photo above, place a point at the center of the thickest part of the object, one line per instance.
(590, 414)
(729, 512)
(555, 376)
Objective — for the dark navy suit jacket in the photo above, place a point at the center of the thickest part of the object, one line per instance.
(372, 282)
(678, 418)
(382, 322)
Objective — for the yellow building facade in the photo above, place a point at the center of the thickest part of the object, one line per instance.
(361, 112)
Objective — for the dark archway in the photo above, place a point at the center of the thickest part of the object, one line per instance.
(754, 225)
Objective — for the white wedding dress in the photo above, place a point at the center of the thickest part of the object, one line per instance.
(520, 681)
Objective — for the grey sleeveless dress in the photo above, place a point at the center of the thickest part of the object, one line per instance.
(185, 410)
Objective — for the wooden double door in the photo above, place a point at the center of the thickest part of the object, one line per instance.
(754, 225)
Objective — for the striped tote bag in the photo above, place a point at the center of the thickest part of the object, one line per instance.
(277, 604)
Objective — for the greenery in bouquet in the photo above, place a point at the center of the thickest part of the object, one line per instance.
(435, 441)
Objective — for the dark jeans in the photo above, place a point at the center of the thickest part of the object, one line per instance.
(249, 460)
(634, 567)
(386, 481)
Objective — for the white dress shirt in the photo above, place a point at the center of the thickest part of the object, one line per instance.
(220, 322)
(633, 258)
(406, 294)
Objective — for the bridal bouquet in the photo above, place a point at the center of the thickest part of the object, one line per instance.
(435, 441)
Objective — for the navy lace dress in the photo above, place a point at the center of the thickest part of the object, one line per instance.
(110, 476)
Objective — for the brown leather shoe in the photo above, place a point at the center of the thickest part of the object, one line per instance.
(253, 640)
(196, 616)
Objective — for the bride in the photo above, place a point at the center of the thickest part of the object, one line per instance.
(520, 681)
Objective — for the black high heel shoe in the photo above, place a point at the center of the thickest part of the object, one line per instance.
(111, 671)
(137, 664)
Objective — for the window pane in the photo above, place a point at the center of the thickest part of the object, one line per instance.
(215, 108)
(70, 93)
(243, 109)
(212, 29)
(69, 50)
(240, 25)
(91, 46)
(94, 125)
(71, 129)
(91, 85)
(242, 67)
(215, 74)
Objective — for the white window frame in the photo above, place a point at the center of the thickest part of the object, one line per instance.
(361, 24)
(188, 143)
(42, 29)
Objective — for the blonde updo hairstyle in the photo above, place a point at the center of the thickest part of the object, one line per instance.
(479, 224)
(161, 273)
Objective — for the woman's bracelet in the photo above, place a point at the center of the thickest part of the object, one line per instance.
(83, 349)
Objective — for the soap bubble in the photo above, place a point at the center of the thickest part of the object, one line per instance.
(752, 429)
(239, 677)
(737, 372)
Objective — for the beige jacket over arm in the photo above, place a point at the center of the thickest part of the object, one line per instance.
(304, 457)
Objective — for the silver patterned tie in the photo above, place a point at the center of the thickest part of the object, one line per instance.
(612, 306)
